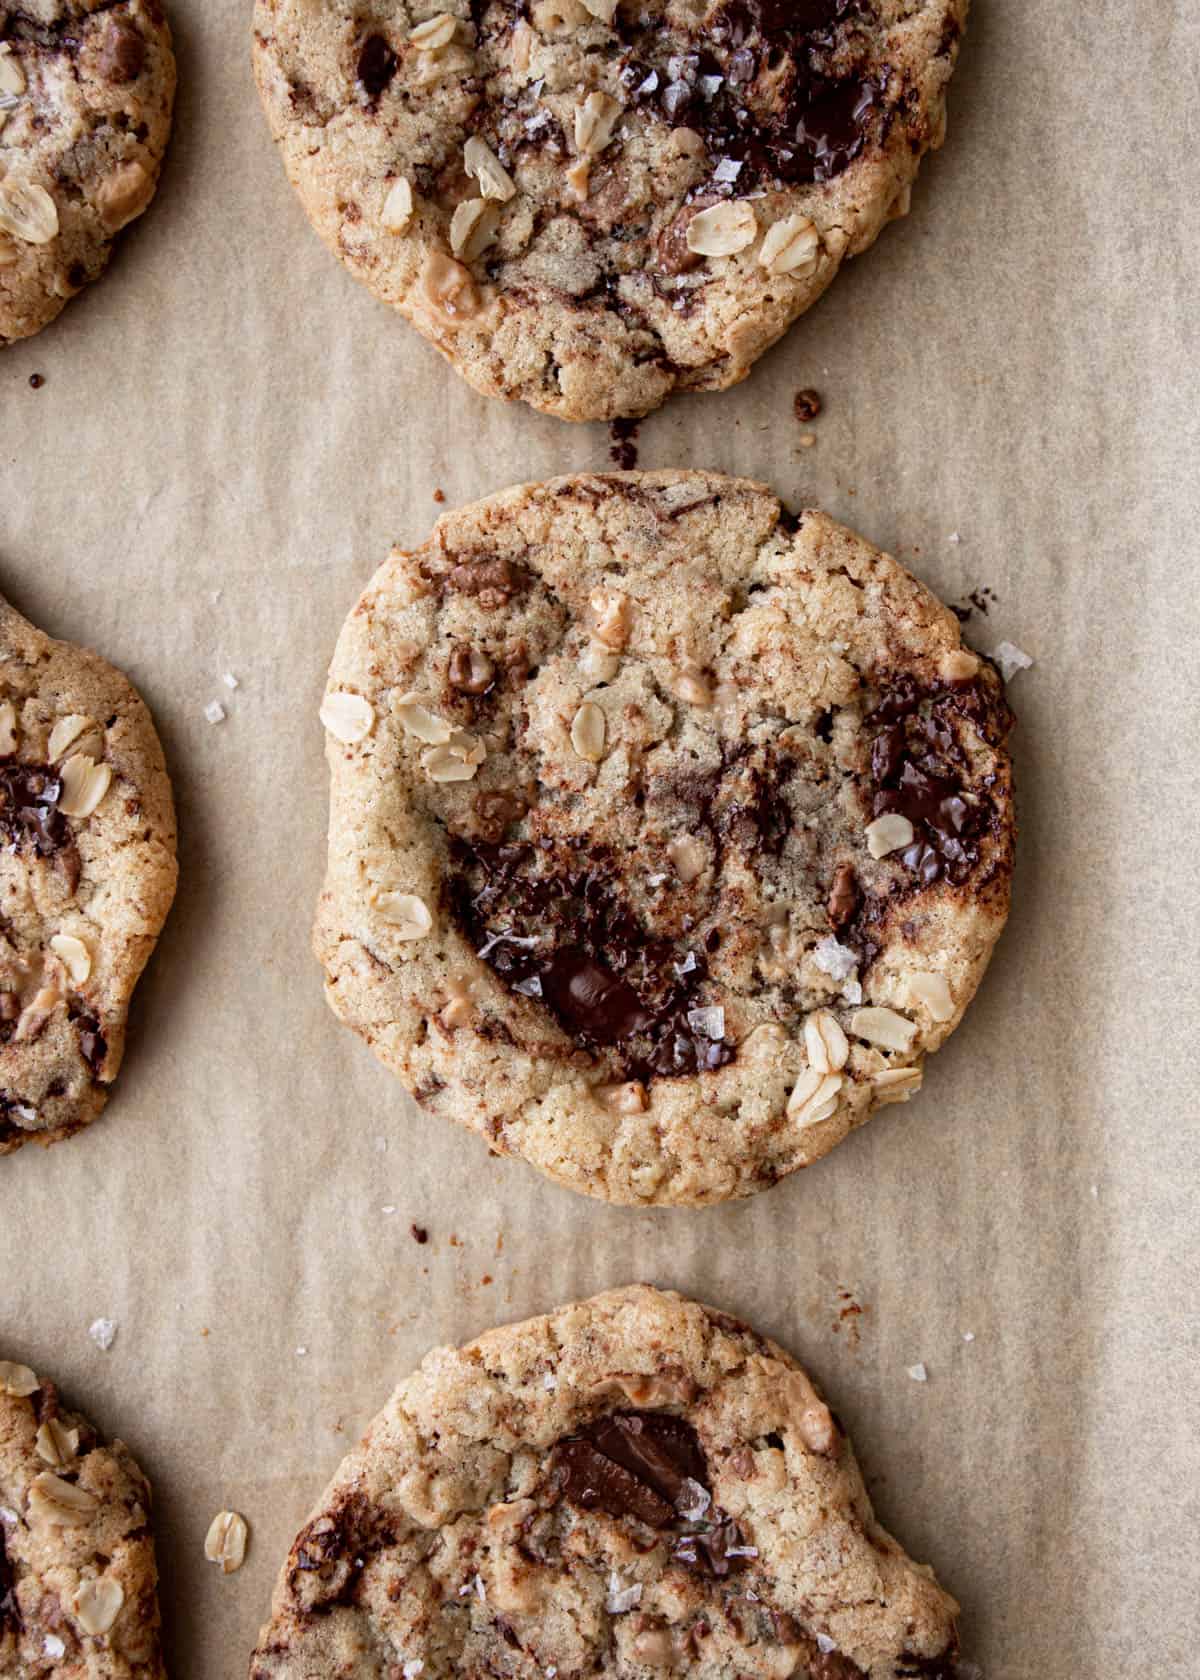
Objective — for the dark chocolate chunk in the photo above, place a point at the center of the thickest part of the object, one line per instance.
(93, 1046)
(36, 381)
(554, 928)
(635, 1464)
(806, 404)
(623, 450)
(376, 66)
(594, 1480)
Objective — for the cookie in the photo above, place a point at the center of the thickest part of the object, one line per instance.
(78, 1582)
(668, 832)
(87, 875)
(589, 204)
(635, 1485)
(86, 89)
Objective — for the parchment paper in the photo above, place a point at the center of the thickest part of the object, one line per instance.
(231, 435)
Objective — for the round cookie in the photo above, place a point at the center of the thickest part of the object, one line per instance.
(86, 90)
(668, 832)
(587, 204)
(87, 875)
(635, 1485)
(78, 1582)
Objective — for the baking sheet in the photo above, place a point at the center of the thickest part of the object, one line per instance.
(230, 436)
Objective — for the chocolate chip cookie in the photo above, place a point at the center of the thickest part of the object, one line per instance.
(86, 90)
(87, 875)
(588, 204)
(78, 1580)
(669, 832)
(634, 1485)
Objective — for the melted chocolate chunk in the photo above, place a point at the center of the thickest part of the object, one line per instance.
(376, 66)
(919, 770)
(554, 929)
(635, 1464)
(761, 90)
(337, 1546)
(29, 814)
(123, 54)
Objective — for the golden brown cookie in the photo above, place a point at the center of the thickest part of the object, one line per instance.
(668, 833)
(586, 204)
(634, 1486)
(87, 875)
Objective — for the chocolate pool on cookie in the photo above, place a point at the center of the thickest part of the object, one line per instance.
(635, 1485)
(588, 204)
(668, 832)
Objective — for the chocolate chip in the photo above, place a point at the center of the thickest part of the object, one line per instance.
(376, 66)
(470, 670)
(419, 1233)
(494, 580)
(123, 54)
(36, 381)
(93, 1046)
(844, 896)
(807, 404)
(675, 256)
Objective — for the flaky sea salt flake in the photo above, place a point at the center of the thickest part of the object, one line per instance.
(215, 712)
(918, 1373)
(1010, 659)
(103, 1332)
(838, 961)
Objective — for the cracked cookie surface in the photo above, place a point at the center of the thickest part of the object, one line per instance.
(668, 832)
(87, 875)
(78, 1582)
(586, 204)
(633, 1486)
(86, 90)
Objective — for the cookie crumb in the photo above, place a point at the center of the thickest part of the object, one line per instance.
(419, 1233)
(36, 381)
(103, 1332)
(215, 712)
(1010, 659)
(918, 1373)
(807, 404)
(623, 450)
(439, 496)
(808, 441)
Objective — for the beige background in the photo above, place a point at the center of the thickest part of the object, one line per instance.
(231, 435)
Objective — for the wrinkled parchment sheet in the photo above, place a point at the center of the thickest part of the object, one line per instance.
(231, 435)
